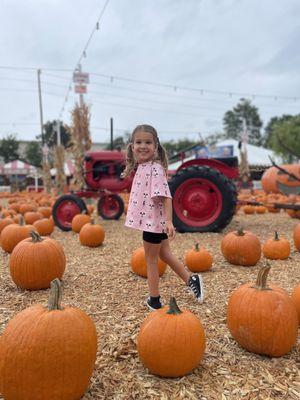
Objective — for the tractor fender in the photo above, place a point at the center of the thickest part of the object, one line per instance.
(229, 172)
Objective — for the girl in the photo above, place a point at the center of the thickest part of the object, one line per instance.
(150, 210)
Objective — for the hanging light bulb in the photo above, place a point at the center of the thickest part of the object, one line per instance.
(111, 79)
(84, 53)
(97, 26)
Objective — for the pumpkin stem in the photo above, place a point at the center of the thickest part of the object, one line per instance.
(240, 231)
(54, 302)
(173, 307)
(276, 236)
(261, 280)
(197, 246)
(21, 221)
(35, 237)
(92, 222)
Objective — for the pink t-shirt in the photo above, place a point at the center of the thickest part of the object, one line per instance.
(146, 210)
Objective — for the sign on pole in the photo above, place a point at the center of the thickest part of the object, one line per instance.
(81, 89)
(81, 77)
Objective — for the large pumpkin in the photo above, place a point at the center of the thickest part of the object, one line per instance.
(36, 261)
(295, 296)
(241, 248)
(171, 342)
(47, 352)
(262, 318)
(139, 265)
(276, 181)
(296, 236)
(198, 259)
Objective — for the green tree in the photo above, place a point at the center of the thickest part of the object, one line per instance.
(268, 137)
(9, 147)
(285, 138)
(50, 134)
(33, 153)
(174, 147)
(118, 143)
(234, 119)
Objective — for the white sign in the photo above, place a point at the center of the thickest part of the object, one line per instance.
(81, 89)
(81, 77)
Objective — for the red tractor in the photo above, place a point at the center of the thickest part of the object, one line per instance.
(203, 190)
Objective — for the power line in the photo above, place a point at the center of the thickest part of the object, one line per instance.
(83, 54)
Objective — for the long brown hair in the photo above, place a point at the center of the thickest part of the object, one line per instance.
(131, 163)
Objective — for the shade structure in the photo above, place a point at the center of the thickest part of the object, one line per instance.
(18, 167)
(68, 168)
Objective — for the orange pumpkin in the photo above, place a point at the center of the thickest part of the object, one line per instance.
(45, 211)
(44, 226)
(139, 265)
(91, 234)
(198, 260)
(295, 296)
(241, 248)
(262, 318)
(296, 236)
(36, 261)
(79, 220)
(13, 234)
(54, 352)
(276, 249)
(171, 342)
(90, 208)
(260, 209)
(249, 209)
(4, 222)
(275, 181)
(31, 216)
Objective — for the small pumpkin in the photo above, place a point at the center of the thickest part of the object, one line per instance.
(262, 318)
(44, 226)
(79, 220)
(248, 209)
(4, 222)
(295, 296)
(296, 236)
(91, 234)
(241, 248)
(36, 261)
(31, 216)
(139, 265)
(54, 351)
(260, 209)
(276, 248)
(198, 259)
(45, 211)
(171, 342)
(13, 234)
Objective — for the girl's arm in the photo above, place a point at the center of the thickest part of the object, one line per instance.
(169, 215)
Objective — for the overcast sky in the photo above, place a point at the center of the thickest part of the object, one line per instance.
(201, 50)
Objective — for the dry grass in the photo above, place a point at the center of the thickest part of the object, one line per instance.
(100, 282)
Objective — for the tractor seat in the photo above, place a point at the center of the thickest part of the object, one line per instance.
(230, 161)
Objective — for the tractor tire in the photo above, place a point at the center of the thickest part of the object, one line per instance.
(204, 199)
(64, 210)
(110, 206)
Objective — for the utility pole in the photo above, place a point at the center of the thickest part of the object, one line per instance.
(41, 105)
(45, 150)
(81, 102)
(111, 134)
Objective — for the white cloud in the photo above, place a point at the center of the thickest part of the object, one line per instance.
(245, 46)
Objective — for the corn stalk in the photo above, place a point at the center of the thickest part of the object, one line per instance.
(59, 161)
(80, 140)
(46, 176)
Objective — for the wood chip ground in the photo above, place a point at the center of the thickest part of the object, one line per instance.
(100, 282)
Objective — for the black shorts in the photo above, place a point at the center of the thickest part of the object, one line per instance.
(152, 237)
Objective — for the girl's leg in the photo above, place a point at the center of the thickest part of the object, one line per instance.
(177, 266)
(151, 255)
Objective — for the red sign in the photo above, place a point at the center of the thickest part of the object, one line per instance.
(81, 89)
(81, 77)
